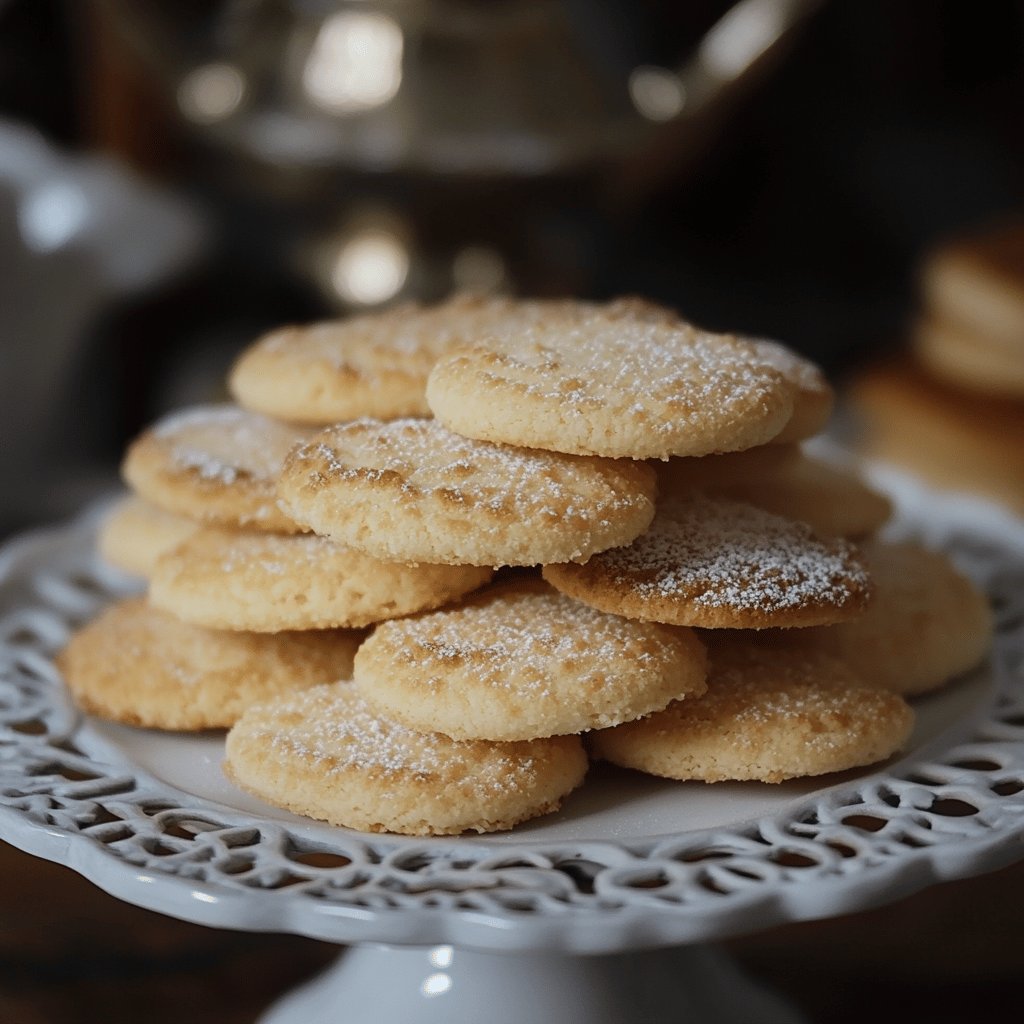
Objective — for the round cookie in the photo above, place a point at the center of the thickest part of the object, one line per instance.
(768, 714)
(926, 625)
(372, 365)
(324, 754)
(522, 661)
(617, 382)
(267, 582)
(814, 399)
(134, 534)
(214, 463)
(833, 501)
(968, 359)
(138, 665)
(722, 564)
(413, 491)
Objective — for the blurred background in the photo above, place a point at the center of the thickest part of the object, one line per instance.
(177, 177)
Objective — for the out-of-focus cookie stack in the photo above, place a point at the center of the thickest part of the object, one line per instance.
(677, 584)
(971, 331)
(952, 409)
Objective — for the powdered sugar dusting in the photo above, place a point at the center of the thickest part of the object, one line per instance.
(654, 368)
(225, 444)
(274, 554)
(345, 734)
(802, 372)
(531, 641)
(332, 729)
(424, 458)
(754, 692)
(409, 338)
(724, 554)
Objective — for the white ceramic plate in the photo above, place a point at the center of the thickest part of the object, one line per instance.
(630, 861)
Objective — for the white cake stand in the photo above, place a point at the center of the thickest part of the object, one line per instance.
(546, 923)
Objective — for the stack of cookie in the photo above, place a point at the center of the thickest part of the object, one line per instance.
(242, 604)
(971, 330)
(675, 579)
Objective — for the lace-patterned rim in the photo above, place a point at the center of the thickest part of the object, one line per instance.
(950, 810)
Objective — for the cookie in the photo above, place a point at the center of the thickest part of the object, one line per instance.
(769, 715)
(833, 501)
(958, 356)
(267, 582)
(138, 665)
(722, 564)
(214, 463)
(814, 399)
(616, 382)
(374, 365)
(950, 438)
(927, 624)
(413, 491)
(975, 283)
(521, 661)
(135, 533)
(324, 754)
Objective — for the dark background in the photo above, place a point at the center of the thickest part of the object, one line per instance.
(801, 208)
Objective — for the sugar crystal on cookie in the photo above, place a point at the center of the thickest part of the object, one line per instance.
(714, 562)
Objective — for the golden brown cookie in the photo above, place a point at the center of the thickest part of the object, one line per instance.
(928, 623)
(324, 754)
(371, 365)
(974, 284)
(722, 564)
(267, 582)
(977, 362)
(833, 501)
(769, 715)
(618, 381)
(814, 399)
(521, 661)
(413, 491)
(948, 437)
(138, 665)
(134, 534)
(214, 463)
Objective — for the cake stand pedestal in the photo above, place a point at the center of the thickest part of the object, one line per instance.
(371, 984)
(572, 917)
